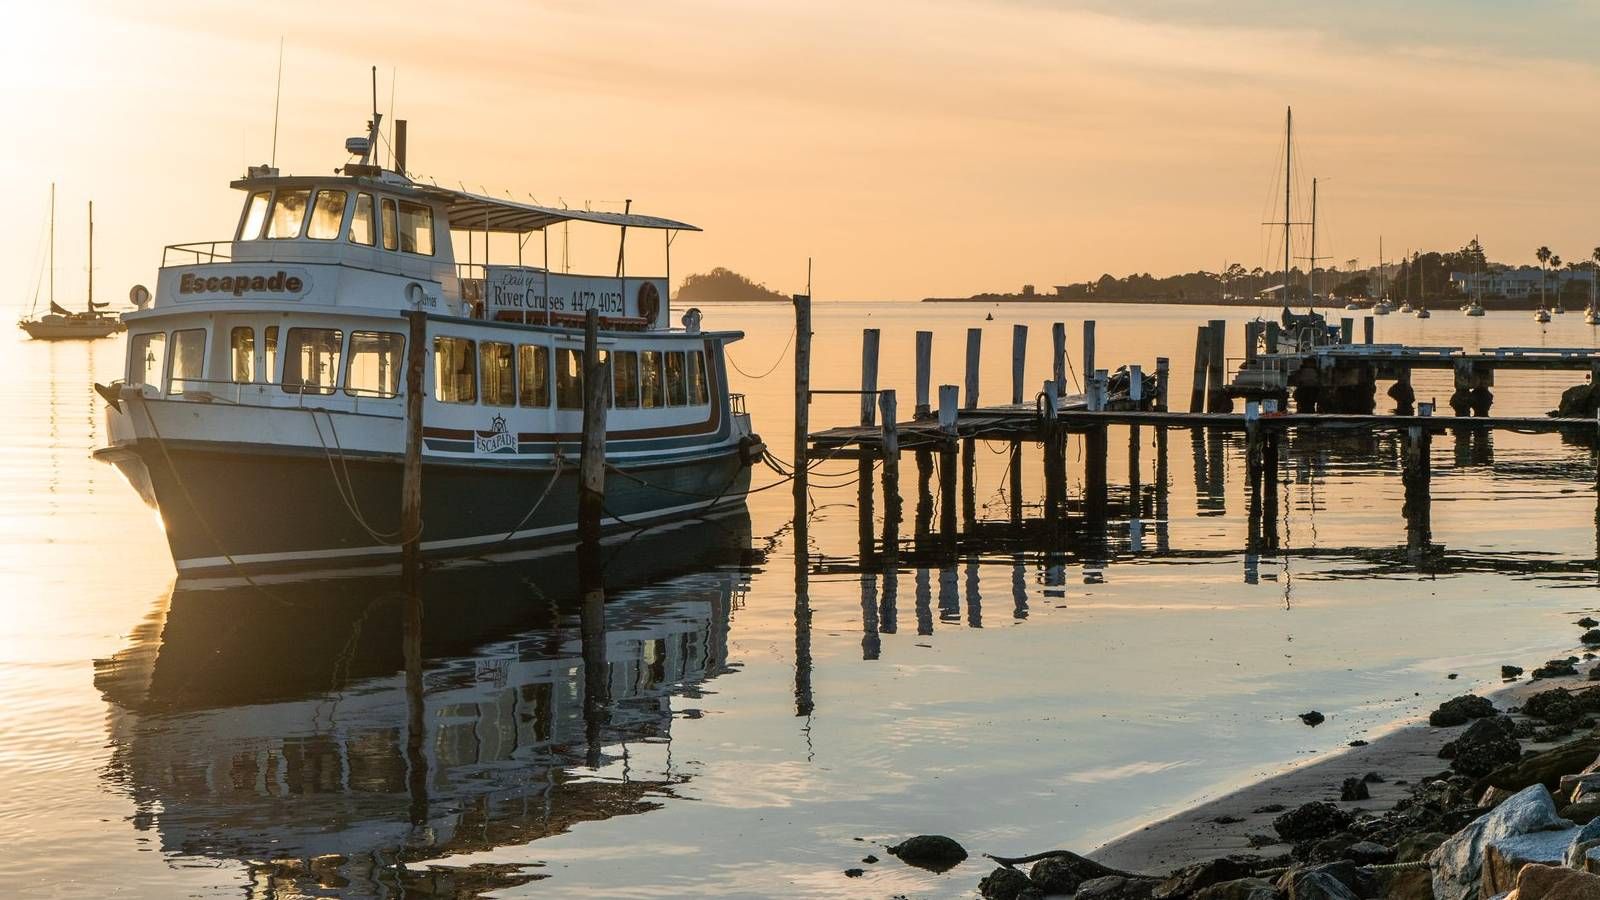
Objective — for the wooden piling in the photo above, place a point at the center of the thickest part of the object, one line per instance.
(891, 461)
(1367, 324)
(1163, 373)
(949, 400)
(1274, 330)
(1136, 384)
(1058, 357)
(924, 373)
(974, 354)
(1019, 355)
(802, 411)
(869, 375)
(1347, 330)
(592, 455)
(1202, 362)
(1252, 331)
(1088, 345)
(1216, 400)
(411, 475)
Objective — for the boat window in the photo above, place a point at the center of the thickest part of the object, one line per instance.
(327, 214)
(376, 358)
(533, 375)
(188, 358)
(311, 360)
(147, 355)
(677, 385)
(499, 374)
(625, 380)
(272, 353)
(255, 216)
(455, 370)
(416, 228)
(390, 240)
(652, 386)
(242, 341)
(288, 213)
(699, 389)
(361, 231)
(569, 379)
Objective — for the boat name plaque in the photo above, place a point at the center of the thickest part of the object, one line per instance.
(242, 282)
(515, 289)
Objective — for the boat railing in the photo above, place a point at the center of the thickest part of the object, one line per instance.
(197, 253)
(736, 405)
(255, 393)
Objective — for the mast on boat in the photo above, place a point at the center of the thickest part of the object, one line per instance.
(91, 256)
(52, 244)
(1288, 175)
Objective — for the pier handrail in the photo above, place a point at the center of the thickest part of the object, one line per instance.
(204, 252)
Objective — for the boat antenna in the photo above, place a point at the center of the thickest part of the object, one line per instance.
(1288, 176)
(392, 74)
(53, 245)
(374, 126)
(277, 100)
(91, 256)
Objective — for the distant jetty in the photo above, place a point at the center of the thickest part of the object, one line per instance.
(722, 285)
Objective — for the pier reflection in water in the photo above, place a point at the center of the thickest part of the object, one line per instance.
(276, 725)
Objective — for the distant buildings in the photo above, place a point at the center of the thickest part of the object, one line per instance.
(1519, 283)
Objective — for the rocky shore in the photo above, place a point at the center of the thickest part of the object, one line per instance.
(1495, 796)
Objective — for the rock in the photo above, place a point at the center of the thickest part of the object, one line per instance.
(1410, 884)
(1269, 808)
(1554, 705)
(1311, 821)
(1369, 853)
(1542, 882)
(1588, 836)
(1486, 745)
(1239, 889)
(1458, 710)
(1586, 622)
(1510, 671)
(1492, 797)
(1003, 884)
(1591, 637)
(1372, 778)
(1313, 718)
(1116, 887)
(1583, 811)
(1594, 674)
(1055, 875)
(934, 852)
(869, 859)
(1546, 768)
(1327, 850)
(1335, 881)
(1358, 743)
(1458, 863)
(1505, 857)
(854, 873)
(1354, 789)
(1227, 820)
(1187, 880)
(1413, 847)
(1555, 668)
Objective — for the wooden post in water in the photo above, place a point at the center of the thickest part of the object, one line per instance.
(1058, 357)
(1163, 372)
(411, 474)
(1252, 330)
(974, 352)
(1088, 346)
(891, 466)
(1366, 329)
(592, 454)
(1202, 362)
(1055, 475)
(1136, 384)
(869, 376)
(1273, 331)
(949, 399)
(1347, 329)
(1019, 355)
(924, 523)
(924, 374)
(802, 413)
(1216, 399)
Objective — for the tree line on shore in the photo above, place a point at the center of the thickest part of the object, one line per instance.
(1422, 277)
(725, 285)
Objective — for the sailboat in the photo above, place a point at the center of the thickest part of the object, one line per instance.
(1297, 332)
(1591, 316)
(62, 323)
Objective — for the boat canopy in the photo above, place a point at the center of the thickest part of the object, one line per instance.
(476, 212)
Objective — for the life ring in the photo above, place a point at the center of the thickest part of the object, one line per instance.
(649, 301)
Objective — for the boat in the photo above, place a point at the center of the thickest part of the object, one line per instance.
(1590, 316)
(60, 323)
(263, 407)
(1541, 315)
(1352, 305)
(1473, 309)
(1422, 313)
(1406, 309)
(1382, 308)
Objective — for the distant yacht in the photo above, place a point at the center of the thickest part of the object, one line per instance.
(1541, 315)
(1382, 308)
(1476, 309)
(1352, 305)
(1590, 316)
(1406, 309)
(1422, 312)
(62, 323)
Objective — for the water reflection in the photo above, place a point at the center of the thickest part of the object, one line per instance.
(277, 726)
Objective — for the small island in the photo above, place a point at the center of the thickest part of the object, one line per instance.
(726, 286)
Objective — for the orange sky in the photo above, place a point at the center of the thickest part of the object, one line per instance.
(912, 149)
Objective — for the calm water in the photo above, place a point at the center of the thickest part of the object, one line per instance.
(157, 741)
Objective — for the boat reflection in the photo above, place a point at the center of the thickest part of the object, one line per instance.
(267, 725)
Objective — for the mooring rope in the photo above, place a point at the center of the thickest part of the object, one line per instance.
(351, 505)
(781, 354)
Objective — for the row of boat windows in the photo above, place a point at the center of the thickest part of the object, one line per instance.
(321, 215)
(493, 373)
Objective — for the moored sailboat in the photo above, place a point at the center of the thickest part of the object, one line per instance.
(263, 405)
(61, 323)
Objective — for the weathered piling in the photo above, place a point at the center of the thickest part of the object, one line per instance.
(974, 355)
(948, 400)
(1416, 473)
(1202, 361)
(1055, 466)
(1367, 323)
(869, 412)
(1088, 345)
(411, 474)
(1019, 356)
(1163, 371)
(802, 409)
(1273, 334)
(592, 454)
(1216, 397)
(1252, 328)
(924, 373)
(1095, 449)
(1347, 329)
(891, 459)
(1058, 357)
(924, 521)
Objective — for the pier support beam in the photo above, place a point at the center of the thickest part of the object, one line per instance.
(1202, 359)
(1019, 356)
(411, 475)
(592, 456)
(1058, 357)
(1401, 392)
(924, 374)
(891, 468)
(1416, 472)
(1216, 370)
(802, 412)
(1088, 345)
(1163, 376)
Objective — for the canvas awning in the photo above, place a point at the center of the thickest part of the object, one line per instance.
(476, 212)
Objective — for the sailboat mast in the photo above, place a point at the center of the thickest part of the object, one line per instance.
(52, 243)
(91, 256)
(1311, 273)
(1381, 291)
(1288, 170)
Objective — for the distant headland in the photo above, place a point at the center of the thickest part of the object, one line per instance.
(726, 286)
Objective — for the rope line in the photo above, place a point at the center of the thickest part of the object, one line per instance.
(781, 354)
